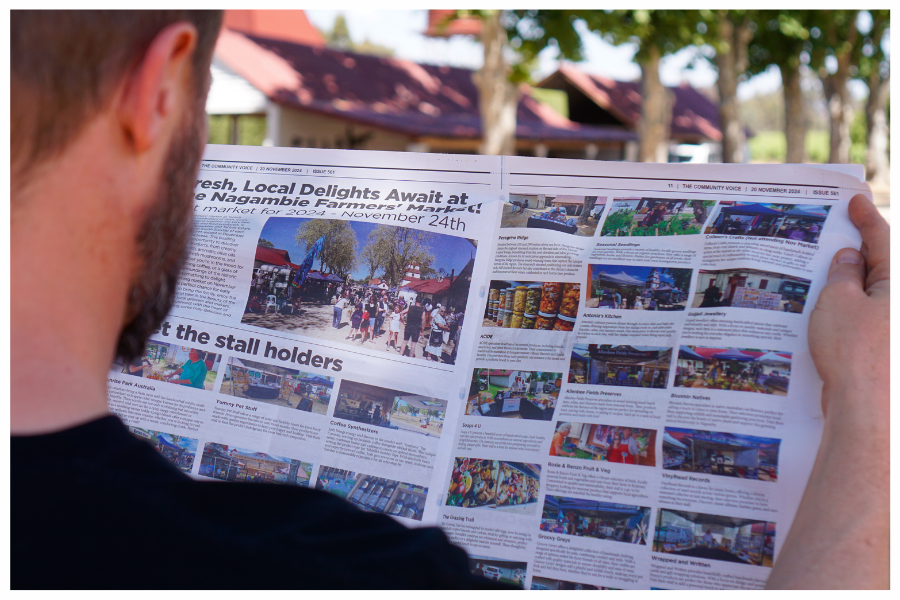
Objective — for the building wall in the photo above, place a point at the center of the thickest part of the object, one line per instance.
(306, 129)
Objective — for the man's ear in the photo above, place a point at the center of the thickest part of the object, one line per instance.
(156, 85)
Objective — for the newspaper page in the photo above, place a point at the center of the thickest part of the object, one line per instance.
(643, 411)
(276, 366)
(589, 374)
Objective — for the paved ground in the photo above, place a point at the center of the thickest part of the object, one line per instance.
(315, 320)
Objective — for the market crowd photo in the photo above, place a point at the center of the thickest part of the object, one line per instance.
(383, 287)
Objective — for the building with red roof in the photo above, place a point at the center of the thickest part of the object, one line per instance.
(312, 96)
(600, 101)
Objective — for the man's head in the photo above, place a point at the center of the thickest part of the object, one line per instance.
(71, 68)
(196, 355)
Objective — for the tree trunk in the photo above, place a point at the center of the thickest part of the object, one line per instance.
(794, 114)
(878, 168)
(498, 99)
(731, 60)
(840, 114)
(588, 207)
(837, 96)
(656, 112)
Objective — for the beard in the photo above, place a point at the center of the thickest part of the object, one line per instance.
(163, 238)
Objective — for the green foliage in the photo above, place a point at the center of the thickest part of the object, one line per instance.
(251, 129)
(393, 249)
(817, 146)
(219, 129)
(667, 30)
(531, 31)
(768, 146)
(265, 243)
(681, 278)
(558, 100)
(339, 253)
(618, 223)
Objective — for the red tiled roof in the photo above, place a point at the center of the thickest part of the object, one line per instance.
(394, 94)
(288, 25)
(693, 114)
(429, 286)
(274, 256)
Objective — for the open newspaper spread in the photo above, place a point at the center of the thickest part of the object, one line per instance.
(589, 374)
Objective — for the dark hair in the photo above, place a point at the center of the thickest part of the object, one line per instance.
(65, 65)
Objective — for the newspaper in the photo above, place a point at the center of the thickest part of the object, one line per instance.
(605, 383)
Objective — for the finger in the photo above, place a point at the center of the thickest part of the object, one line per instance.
(876, 237)
(850, 266)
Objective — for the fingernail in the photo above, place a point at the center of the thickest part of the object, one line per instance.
(848, 257)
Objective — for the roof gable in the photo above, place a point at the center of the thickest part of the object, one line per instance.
(693, 114)
(391, 93)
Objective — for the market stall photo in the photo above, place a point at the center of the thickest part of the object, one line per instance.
(717, 453)
(735, 369)
(393, 409)
(619, 287)
(229, 463)
(600, 520)
(751, 288)
(374, 494)
(628, 366)
(609, 443)
(715, 537)
(274, 384)
(800, 222)
(497, 484)
(513, 394)
(532, 305)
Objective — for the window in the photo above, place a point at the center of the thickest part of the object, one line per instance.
(763, 283)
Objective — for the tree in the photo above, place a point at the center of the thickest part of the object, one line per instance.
(681, 278)
(839, 40)
(511, 41)
(339, 39)
(589, 202)
(875, 69)
(265, 243)
(784, 39)
(729, 33)
(338, 255)
(656, 33)
(395, 248)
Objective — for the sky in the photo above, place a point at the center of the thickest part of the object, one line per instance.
(449, 252)
(401, 30)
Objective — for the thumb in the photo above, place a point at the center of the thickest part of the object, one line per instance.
(848, 266)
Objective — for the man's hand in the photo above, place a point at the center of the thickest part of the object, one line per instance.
(840, 535)
(849, 329)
